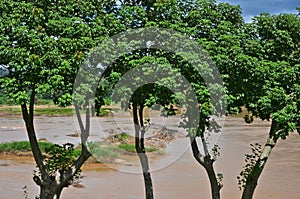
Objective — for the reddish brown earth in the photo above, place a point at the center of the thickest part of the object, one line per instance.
(179, 178)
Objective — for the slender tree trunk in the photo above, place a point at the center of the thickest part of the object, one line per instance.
(207, 163)
(50, 187)
(215, 186)
(28, 117)
(140, 149)
(254, 175)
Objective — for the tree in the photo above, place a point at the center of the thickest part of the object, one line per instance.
(273, 89)
(166, 65)
(145, 86)
(218, 33)
(42, 46)
(210, 24)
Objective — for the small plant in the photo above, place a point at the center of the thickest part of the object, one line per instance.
(120, 137)
(250, 160)
(216, 152)
(104, 153)
(123, 136)
(25, 192)
(60, 159)
(220, 177)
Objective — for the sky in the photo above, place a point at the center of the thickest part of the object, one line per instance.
(252, 8)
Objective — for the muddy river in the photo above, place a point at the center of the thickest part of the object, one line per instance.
(175, 175)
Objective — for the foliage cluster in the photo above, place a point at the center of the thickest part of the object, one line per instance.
(251, 160)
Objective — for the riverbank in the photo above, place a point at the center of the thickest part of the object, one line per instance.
(50, 110)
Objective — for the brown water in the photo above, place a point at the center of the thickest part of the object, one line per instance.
(178, 178)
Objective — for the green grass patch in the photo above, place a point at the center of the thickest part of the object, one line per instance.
(22, 146)
(53, 111)
(104, 153)
(131, 148)
(105, 111)
(44, 102)
(49, 111)
(11, 110)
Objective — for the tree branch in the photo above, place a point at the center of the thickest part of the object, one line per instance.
(28, 117)
(196, 152)
(68, 175)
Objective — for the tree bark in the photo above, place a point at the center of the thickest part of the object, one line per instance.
(28, 117)
(207, 162)
(50, 192)
(140, 149)
(215, 186)
(252, 179)
(51, 187)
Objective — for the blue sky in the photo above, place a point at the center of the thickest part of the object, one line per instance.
(252, 8)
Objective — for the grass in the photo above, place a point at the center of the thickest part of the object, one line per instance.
(131, 148)
(47, 111)
(22, 146)
(105, 111)
(104, 153)
(53, 111)
(108, 153)
(10, 110)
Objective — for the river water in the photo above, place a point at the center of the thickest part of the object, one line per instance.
(175, 175)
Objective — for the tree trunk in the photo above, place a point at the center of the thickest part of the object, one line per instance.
(207, 163)
(140, 149)
(51, 188)
(252, 179)
(51, 192)
(214, 185)
(28, 117)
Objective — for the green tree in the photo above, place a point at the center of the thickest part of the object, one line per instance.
(272, 86)
(142, 85)
(42, 45)
(217, 28)
(212, 25)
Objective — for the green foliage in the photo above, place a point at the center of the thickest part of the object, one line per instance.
(274, 89)
(61, 158)
(123, 136)
(41, 101)
(119, 137)
(220, 177)
(107, 101)
(168, 111)
(3, 97)
(42, 46)
(216, 152)
(251, 161)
